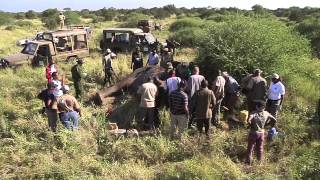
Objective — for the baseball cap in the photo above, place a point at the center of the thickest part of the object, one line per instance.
(275, 76)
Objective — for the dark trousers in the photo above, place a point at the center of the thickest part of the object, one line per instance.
(203, 123)
(216, 113)
(150, 118)
(108, 77)
(255, 141)
(78, 88)
(273, 106)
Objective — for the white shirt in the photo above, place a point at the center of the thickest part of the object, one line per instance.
(276, 90)
(153, 59)
(57, 92)
(219, 84)
(172, 84)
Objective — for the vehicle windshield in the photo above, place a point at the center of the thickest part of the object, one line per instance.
(30, 49)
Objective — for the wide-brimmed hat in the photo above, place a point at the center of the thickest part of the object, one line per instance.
(108, 50)
(225, 74)
(257, 71)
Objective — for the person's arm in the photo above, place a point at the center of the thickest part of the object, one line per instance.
(271, 120)
(186, 109)
(148, 60)
(213, 103)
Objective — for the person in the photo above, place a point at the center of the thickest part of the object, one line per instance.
(108, 69)
(172, 83)
(257, 89)
(166, 58)
(57, 85)
(275, 95)
(257, 121)
(137, 59)
(148, 92)
(62, 19)
(153, 58)
(163, 76)
(218, 90)
(70, 109)
(178, 104)
(51, 108)
(77, 77)
(194, 81)
(232, 96)
(51, 68)
(171, 45)
(203, 102)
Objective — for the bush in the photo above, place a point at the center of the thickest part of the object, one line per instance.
(72, 18)
(241, 44)
(5, 18)
(50, 18)
(31, 14)
(23, 23)
(132, 19)
(185, 23)
(187, 37)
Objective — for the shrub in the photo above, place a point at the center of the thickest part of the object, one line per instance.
(72, 18)
(31, 14)
(23, 23)
(5, 18)
(241, 44)
(187, 37)
(184, 23)
(133, 18)
(50, 18)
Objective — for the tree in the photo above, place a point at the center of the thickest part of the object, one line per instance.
(31, 14)
(72, 18)
(5, 18)
(50, 18)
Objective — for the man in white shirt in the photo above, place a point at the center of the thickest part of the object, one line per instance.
(172, 82)
(275, 95)
(218, 90)
(148, 92)
(194, 81)
(153, 58)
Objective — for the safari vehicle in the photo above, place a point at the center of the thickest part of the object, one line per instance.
(58, 45)
(146, 25)
(126, 40)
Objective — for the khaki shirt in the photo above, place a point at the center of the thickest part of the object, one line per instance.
(148, 93)
(257, 87)
(70, 103)
(203, 102)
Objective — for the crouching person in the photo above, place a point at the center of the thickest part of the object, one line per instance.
(257, 121)
(69, 109)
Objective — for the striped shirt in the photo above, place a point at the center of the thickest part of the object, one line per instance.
(177, 101)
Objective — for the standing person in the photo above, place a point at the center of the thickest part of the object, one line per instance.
(232, 96)
(257, 89)
(148, 92)
(194, 81)
(166, 58)
(172, 46)
(51, 68)
(218, 90)
(153, 58)
(203, 102)
(275, 95)
(178, 103)
(137, 59)
(70, 109)
(172, 83)
(62, 18)
(77, 77)
(51, 107)
(108, 69)
(257, 121)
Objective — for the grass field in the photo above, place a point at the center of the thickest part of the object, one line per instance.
(29, 151)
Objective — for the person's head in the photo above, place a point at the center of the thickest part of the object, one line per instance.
(260, 105)
(50, 86)
(52, 61)
(137, 49)
(257, 72)
(219, 73)
(182, 85)
(55, 75)
(169, 66)
(108, 51)
(204, 84)
(154, 51)
(65, 89)
(166, 50)
(196, 70)
(172, 73)
(275, 78)
(61, 13)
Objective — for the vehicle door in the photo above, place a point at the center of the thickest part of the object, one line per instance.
(80, 45)
(42, 55)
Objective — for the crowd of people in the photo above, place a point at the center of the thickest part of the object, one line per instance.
(190, 98)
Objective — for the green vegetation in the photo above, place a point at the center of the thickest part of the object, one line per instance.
(230, 39)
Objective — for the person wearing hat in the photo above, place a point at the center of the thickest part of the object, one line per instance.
(153, 58)
(62, 18)
(77, 77)
(258, 119)
(178, 104)
(165, 58)
(108, 69)
(137, 59)
(275, 95)
(69, 109)
(256, 89)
